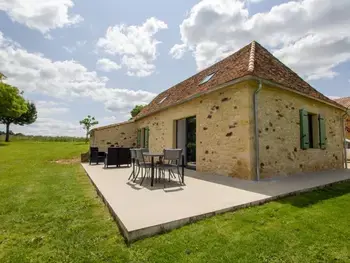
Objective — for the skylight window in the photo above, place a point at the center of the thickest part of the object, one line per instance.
(207, 78)
(161, 101)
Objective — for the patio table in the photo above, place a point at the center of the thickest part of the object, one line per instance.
(152, 155)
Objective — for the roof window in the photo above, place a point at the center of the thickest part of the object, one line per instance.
(161, 101)
(207, 78)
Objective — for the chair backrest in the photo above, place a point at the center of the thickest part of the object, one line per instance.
(172, 155)
(139, 154)
(93, 149)
(133, 153)
(124, 155)
(112, 156)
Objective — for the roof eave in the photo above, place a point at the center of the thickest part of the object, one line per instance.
(236, 81)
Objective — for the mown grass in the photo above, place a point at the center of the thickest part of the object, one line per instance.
(49, 212)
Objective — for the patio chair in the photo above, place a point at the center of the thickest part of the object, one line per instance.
(95, 156)
(111, 157)
(171, 161)
(133, 163)
(142, 164)
(124, 157)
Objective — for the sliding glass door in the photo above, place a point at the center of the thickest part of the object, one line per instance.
(186, 139)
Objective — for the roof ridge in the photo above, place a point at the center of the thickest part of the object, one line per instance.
(251, 61)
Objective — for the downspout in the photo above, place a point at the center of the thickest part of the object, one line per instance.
(257, 150)
(345, 143)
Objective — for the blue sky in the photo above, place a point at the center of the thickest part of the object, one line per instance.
(80, 57)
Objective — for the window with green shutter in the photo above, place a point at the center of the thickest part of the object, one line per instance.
(138, 137)
(322, 131)
(146, 137)
(304, 130)
(312, 130)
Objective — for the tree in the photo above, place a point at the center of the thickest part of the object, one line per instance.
(12, 106)
(12, 103)
(87, 123)
(26, 118)
(136, 110)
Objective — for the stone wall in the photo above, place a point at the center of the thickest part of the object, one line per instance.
(223, 130)
(123, 135)
(279, 133)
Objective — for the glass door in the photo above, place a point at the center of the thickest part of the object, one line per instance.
(191, 142)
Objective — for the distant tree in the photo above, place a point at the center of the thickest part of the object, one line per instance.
(87, 123)
(26, 118)
(136, 110)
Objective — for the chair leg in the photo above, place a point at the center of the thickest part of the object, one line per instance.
(132, 174)
(179, 175)
(143, 176)
(137, 174)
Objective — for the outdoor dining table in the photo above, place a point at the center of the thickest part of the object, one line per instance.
(152, 155)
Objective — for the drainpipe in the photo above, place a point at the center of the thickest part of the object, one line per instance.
(345, 143)
(257, 150)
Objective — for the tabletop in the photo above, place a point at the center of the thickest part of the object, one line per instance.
(153, 154)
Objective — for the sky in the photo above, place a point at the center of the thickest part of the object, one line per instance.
(75, 58)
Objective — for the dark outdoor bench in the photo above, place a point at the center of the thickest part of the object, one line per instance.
(118, 156)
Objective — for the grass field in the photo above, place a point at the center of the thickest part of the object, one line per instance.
(49, 212)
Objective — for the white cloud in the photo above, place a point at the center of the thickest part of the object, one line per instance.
(78, 44)
(68, 80)
(41, 15)
(47, 109)
(50, 121)
(107, 65)
(136, 45)
(69, 49)
(310, 36)
(50, 127)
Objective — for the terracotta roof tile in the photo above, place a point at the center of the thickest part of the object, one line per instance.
(253, 60)
(344, 101)
(232, 67)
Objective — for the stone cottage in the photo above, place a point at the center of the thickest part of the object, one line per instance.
(247, 116)
(346, 103)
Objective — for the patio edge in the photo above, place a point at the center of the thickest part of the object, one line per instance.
(134, 235)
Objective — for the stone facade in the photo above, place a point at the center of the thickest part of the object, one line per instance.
(223, 120)
(225, 132)
(123, 135)
(279, 134)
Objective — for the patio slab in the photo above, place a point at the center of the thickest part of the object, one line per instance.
(143, 211)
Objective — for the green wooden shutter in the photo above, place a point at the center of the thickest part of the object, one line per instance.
(322, 130)
(138, 137)
(304, 130)
(146, 137)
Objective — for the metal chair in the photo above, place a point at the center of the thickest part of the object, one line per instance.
(142, 164)
(133, 163)
(171, 161)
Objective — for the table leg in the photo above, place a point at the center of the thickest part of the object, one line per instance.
(183, 169)
(152, 170)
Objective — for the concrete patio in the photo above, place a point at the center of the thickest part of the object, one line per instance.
(143, 211)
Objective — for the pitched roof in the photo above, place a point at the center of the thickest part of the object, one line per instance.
(112, 125)
(252, 60)
(344, 101)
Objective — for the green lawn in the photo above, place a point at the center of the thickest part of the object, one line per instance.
(49, 212)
